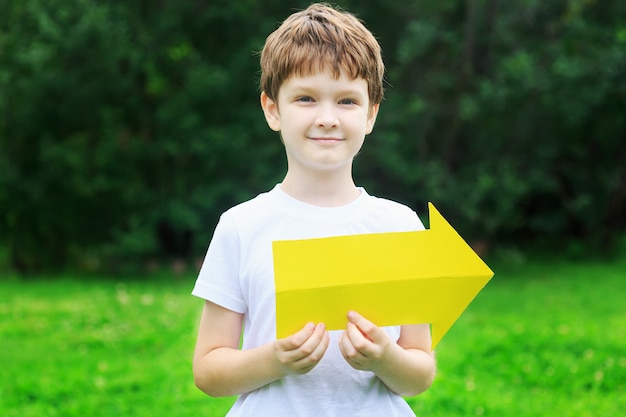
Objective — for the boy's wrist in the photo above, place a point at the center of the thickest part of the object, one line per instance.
(387, 363)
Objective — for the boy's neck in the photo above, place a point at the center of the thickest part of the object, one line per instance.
(321, 190)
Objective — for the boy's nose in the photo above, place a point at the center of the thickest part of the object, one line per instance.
(326, 117)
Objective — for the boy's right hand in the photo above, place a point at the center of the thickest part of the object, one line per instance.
(302, 351)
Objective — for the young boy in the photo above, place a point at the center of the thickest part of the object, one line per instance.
(321, 85)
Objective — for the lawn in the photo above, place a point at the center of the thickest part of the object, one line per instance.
(541, 339)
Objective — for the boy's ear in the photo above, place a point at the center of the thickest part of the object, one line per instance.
(371, 118)
(270, 109)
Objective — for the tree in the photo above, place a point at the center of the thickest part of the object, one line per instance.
(126, 128)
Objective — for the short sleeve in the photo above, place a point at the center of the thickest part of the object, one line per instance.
(219, 278)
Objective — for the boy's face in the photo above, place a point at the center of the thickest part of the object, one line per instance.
(322, 120)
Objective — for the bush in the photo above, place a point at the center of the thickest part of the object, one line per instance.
(127, 127)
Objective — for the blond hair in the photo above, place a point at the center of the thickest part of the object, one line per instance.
(322, 38)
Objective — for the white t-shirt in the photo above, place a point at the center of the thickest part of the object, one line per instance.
(238, 274)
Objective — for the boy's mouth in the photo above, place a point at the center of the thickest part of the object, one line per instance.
(326, 140)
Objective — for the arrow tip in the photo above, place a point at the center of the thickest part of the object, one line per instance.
(476, 273)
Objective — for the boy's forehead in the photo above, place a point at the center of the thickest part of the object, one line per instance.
(313, 78)
(313, 71)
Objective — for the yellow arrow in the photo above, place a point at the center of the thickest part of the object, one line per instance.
(427, 276)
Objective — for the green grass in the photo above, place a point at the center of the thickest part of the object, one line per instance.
(541, 339)
(104, 348)
(545, 339)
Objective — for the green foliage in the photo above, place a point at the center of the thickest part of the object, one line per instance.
(540, 339)
(511, 118)
(123, 129)
(126, 128)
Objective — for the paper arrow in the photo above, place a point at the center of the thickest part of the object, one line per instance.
(427, 276)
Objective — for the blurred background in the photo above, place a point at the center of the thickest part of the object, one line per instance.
(127, 127)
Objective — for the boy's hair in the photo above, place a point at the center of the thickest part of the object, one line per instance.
(317, 39)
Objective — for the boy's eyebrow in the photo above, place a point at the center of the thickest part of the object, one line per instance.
(341, 92)
(351, 92)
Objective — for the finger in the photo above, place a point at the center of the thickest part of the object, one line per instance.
(349, 352)
(346, 347)
(309, 346)
(368, 329)
(319, 344)
(358, 341)
(313, 350)
(296, 340)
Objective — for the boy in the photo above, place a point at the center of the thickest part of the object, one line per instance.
(321, 83)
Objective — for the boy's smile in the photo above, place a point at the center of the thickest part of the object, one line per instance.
(322, 120)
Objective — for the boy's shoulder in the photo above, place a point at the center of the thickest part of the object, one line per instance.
(264, 207)
(387, 203)
(261, 201)
(390, 207)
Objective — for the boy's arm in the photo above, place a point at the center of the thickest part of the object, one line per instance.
(406, 367)
(220, 368)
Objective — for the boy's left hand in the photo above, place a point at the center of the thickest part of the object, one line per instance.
(363, 344)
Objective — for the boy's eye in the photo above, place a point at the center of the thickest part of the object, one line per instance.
(347, 101)
(305, 99)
